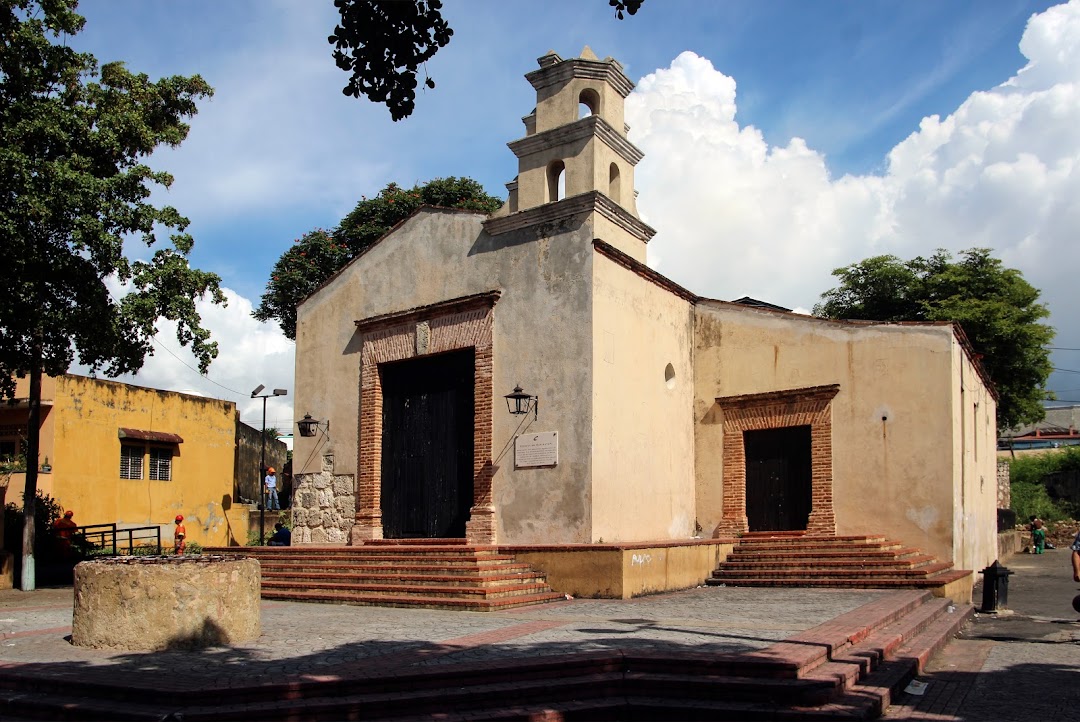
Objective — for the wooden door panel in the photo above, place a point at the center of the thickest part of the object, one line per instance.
(427, 446)
(778, 478)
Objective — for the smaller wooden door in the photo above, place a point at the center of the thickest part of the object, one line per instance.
(778, 478)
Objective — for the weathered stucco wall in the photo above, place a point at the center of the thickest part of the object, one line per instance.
(541, 340)
(83, 445)
(643, 391)
(974, 515)
(893, 420)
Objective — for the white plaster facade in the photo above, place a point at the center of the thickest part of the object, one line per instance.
(647, 384)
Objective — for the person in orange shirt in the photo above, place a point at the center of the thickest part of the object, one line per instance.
(179, 534)
(65, 527)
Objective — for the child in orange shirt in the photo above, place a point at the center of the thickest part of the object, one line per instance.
(178, 535)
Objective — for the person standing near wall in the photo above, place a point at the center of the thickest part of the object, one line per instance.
(1076, 557)
(65, 527)
(271, 489)
(179, 535)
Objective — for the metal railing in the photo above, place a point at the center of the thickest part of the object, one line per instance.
(106, 539)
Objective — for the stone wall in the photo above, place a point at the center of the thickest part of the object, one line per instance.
(1004, 490)
(323, 506)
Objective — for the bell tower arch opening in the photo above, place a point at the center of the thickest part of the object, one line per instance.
(588, 103)
(556, 181)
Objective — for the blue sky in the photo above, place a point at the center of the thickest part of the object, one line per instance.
(782, 138)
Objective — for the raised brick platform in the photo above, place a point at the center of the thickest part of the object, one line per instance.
(428, 573)
(848, 668)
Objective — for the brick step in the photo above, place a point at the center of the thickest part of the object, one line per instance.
(830, 582)
(419, 590)
(448, 603)
(753, 562)
(869, 653)
(777, 547)
(728, 571)
(404, 577)
(380, 553)
(766, 537)
(412, 550)
(394, 562)
(420, 541)
(740, 553)
(51, 705)
(415, 569)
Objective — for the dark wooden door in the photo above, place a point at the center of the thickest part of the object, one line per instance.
(427, 446)
(778, 478)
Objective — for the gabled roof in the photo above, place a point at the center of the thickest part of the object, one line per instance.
(383, 237)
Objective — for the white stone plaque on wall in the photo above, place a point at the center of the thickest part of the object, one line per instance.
(537, 449)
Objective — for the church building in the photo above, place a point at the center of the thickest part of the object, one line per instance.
(647, 413)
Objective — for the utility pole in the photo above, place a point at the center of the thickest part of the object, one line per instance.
(262, 459)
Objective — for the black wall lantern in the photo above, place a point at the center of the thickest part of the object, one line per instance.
(519, 402)
(309, 426)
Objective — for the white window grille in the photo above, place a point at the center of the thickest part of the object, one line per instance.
(161, 464)
(131, 462)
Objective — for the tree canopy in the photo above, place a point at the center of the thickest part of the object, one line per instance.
(318, 254)
(998, 310)
(75, 187)
(383, 44)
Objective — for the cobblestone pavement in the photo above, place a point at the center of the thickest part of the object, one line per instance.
(1018, 666)
(309, 640)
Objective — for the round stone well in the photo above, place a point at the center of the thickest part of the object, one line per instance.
(168, 602)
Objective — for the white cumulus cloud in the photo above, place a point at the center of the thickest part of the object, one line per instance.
(737, 216)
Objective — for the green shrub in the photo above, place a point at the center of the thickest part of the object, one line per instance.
(46, 511)
(1030, 499)
(1027, 476)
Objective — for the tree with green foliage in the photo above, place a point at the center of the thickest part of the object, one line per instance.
(319, 254)
(75, 186)
(383, 44)
(997, 309)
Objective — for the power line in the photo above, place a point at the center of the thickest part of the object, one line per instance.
(1061, 348)
(201, 374)
(1065, 371)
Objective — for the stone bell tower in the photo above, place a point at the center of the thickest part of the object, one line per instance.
(575, 151)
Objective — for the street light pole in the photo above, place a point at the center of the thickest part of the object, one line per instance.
(262, 459)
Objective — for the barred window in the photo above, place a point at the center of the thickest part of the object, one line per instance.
(131, 462)
(161, 464)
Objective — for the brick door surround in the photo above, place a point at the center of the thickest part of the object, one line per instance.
(452, 325)
(810, 406)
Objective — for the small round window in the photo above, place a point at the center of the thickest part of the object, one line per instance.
(669, 376)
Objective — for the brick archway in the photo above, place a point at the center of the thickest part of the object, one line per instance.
(811, 406)
(448, 326)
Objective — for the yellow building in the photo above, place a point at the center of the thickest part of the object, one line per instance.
(134, 456)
